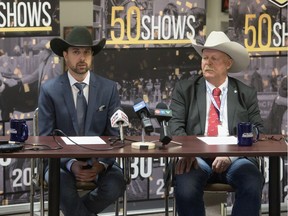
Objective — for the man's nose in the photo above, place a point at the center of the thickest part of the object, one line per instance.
(208, 61)
(82, 56)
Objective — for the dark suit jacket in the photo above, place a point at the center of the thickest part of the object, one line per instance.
(57, 108)
(189, 106)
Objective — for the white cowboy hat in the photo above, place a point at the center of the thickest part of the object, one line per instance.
(219, 41)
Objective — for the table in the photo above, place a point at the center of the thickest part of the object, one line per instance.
(191, 147)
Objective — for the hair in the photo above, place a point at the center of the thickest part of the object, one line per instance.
(171, 9)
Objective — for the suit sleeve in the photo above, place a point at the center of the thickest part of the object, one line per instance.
(254, 112)
(250, 110)
(114, 103)
(177, 123)
(46, 120)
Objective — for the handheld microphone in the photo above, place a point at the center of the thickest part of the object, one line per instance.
(143, 113)
(163, 115)
(119, 119)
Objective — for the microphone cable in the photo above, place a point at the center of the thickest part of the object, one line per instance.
(42, 147)
(117, 139)
(112, 145)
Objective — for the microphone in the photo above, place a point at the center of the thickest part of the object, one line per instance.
(163, 115)
(143, 113)
(119, 119)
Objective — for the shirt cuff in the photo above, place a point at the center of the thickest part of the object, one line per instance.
(69, 164)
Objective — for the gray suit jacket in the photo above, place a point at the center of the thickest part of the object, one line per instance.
(57, 108)
(189, 106)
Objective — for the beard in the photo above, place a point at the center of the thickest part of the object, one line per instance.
(80, 68)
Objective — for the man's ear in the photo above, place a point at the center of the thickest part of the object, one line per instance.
(65, 55)
(229, 63)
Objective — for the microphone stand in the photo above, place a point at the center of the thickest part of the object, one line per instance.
(174, 142)
(142, 144)
(121, 137)
(177, 143)
(165, 135)
(143, 135)
(118, 139)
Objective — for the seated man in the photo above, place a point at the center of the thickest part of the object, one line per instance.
(198, 109)
(59, 108)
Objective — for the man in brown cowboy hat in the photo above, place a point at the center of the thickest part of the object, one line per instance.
(198, 109)
(96, 98)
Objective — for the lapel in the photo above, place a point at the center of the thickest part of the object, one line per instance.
(68, 99)
(232, 103)
(201, 104)
(93, 101)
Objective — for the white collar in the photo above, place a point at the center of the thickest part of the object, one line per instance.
(222, 87)
(72, 80)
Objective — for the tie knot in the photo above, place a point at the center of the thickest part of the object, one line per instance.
(80, 86)
(216, 92)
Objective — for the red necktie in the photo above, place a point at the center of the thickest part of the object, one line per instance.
(213, 120)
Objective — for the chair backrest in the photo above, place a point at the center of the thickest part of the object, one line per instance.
(35, 123)
(219, 187)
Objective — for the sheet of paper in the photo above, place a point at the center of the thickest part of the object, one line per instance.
(229, 140)
(81, 140)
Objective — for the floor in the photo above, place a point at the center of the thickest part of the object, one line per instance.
(212, 201)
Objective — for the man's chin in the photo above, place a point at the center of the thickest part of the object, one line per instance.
(208, 75)
(82, 71)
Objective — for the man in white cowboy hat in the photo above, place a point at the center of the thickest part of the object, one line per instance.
(191, 104)
(58, 105)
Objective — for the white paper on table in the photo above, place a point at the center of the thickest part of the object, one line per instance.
(81, 140)
(221, 140)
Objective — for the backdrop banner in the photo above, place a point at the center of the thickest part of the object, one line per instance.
(29, 18)
(149, 23)
(261, 26)
(148, 50)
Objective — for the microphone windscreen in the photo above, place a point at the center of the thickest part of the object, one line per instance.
(119, 117)
(161, 106)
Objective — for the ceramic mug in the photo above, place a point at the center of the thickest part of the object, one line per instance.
(18, 130)
(247, 133)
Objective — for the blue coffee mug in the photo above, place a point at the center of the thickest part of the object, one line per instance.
(18, 130)
(247, 134)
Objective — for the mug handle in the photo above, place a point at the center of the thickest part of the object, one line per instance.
(25, 132)
(256, 132)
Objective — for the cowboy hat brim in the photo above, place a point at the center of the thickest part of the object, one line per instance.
(59, 45)
(236, 51)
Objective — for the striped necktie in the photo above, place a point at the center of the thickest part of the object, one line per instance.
(81, 108)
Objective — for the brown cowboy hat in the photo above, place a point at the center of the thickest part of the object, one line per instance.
(219, 41)
(78, 37)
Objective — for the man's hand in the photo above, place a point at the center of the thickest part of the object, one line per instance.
(185, 164)
(220, 164)
(81, 173)
(11, 82)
